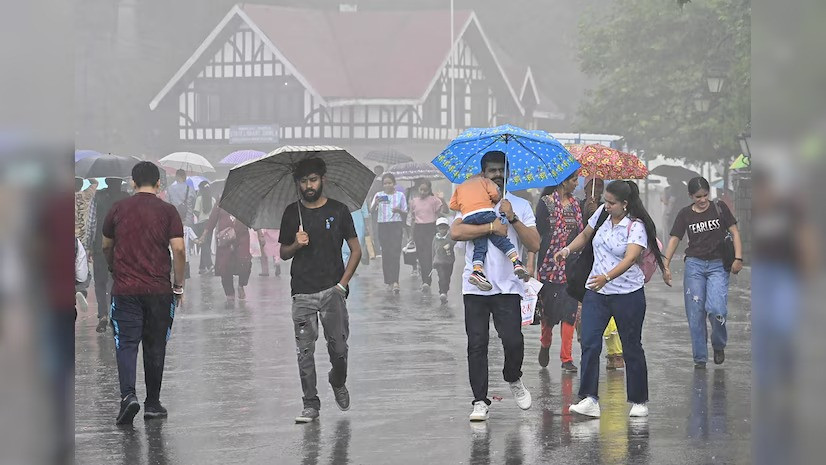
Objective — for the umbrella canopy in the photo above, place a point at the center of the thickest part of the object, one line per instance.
(607, 163)
(742, 162)
(240, 156)
(217, 187)
(195, 181)
(192, 163)
(258, 191)
(536, 158)
(81, 154)
(387, 157)
(105, 166)
(412, 171)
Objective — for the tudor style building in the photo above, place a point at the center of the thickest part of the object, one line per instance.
(268, 76)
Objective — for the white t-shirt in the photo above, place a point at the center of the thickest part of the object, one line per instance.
(610, 243)
(498, 267)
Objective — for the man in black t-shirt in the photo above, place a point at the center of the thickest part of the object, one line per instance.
(312, 233)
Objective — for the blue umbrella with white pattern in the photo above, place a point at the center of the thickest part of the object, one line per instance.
(535, 158)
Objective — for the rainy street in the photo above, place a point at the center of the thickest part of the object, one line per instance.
(232, 389)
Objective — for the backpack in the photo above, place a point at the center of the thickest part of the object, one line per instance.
(647, 261)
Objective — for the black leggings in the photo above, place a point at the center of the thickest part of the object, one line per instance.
(227, 281)
(423, 235)
(390, 236)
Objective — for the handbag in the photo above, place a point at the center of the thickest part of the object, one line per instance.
(226, 237)
(409, 253)
(578, 270)
(726, 246)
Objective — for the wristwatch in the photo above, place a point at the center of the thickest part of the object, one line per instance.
(515, 219)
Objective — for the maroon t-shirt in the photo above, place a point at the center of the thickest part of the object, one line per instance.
(142, 226)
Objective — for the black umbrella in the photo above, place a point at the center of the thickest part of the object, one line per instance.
(105, 166)
(258, 191)
(677, 173)
(387, 157)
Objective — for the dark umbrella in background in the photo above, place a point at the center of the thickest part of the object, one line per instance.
(387, 157)
(258, 191)
(674, 172)
(81, 154)
(105, 166)
(413, 171)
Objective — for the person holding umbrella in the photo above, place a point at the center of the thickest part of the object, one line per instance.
(313, 231)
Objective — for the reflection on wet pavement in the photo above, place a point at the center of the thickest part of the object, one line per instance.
(232, 390)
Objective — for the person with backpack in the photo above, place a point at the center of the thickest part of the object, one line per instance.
(714, 250)
(624, 241)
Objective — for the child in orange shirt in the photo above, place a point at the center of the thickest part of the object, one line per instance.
(475, 199)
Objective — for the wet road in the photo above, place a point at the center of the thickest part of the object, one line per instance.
(232, 389)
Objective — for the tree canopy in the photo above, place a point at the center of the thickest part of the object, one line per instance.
(652, 59)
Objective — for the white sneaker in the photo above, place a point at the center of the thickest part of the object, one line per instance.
(521, 394)
(443, 298)
(480, 411)
(587, 406)
(80, 302)
(638, 410)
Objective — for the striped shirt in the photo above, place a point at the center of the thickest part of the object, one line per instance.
(386, 205)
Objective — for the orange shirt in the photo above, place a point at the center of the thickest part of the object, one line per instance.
(476, 194)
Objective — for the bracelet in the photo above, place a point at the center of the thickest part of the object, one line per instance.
(341, 287)
(568, 249)
(738, 258)
(607, 278)
(491, 226)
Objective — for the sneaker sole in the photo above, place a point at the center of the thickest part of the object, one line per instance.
(128, 415)
(152, 416)
(304, 420)
(478, 419)
(481, 285)
(590, 415)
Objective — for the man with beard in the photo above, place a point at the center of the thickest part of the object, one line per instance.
(313, 231)
(503, 299)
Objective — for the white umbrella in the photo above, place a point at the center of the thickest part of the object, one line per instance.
(191, 162)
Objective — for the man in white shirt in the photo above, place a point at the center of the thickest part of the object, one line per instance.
(503, 301)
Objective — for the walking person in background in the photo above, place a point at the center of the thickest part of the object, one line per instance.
(137, 235)
(312, 232)
(203, 207)
(181, 193)
(390, 208)
(594, 187)
(503, 297)
(706, 278)
(232, 251)
(443, 256)
(621, 229)
(558, 221)
(425, 208)
(267, 240)
(104, 200)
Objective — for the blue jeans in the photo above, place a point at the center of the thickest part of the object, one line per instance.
(480, 245)
(628, 311)
(706, 297)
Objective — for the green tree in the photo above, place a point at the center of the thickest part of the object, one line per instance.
(651, 59)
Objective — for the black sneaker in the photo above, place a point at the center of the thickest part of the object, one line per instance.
(569, 367)
(478, 279)
(129, 407)
(719, 356)
(151, 411)
(342, 396)
(103, 322)
(544, 356)
(520, 271)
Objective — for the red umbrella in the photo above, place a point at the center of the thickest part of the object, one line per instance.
(606, 163)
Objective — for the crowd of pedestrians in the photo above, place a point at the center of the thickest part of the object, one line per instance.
(138, 247)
